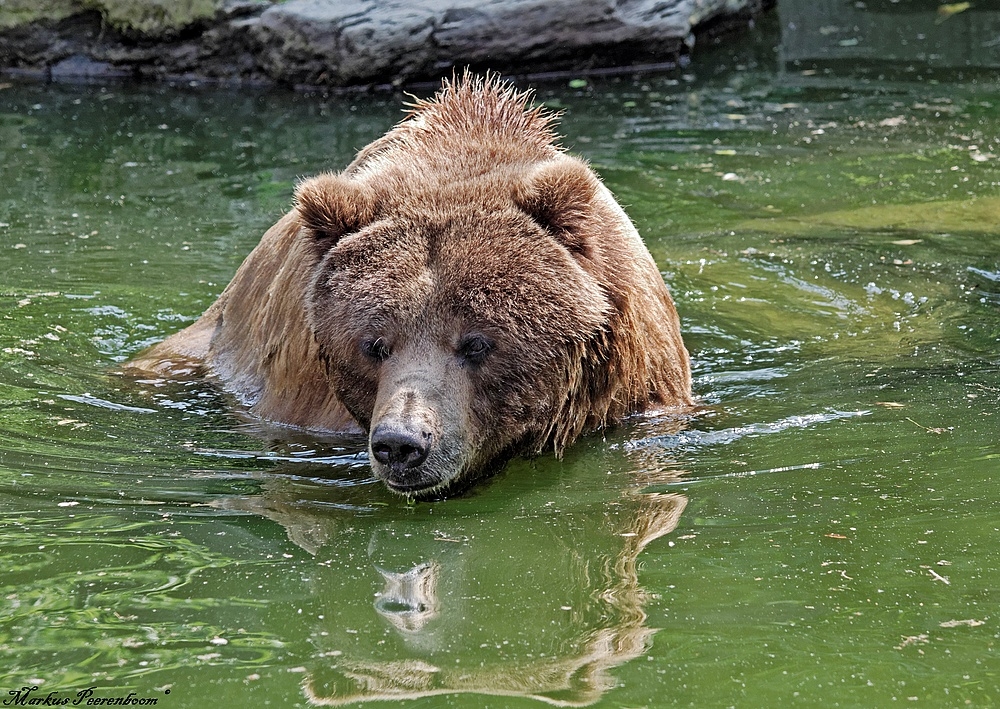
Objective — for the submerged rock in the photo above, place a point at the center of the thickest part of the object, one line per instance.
(347, 42)
(79, 66)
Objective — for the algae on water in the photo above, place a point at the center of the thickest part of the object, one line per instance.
(976, 215)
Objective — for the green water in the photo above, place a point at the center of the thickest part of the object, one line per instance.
(826, 534)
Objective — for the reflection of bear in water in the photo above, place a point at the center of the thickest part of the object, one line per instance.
(537, 596)
(464, 290)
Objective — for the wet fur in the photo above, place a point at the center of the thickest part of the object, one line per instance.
(467, 185)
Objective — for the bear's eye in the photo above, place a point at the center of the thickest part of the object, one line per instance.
(377, 349)
(474, 348)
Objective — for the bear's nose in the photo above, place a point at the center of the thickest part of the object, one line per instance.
(398, 448)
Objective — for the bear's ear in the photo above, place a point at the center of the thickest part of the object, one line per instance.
(558, 195)
(331, 205)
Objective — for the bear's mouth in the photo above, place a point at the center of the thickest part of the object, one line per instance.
(411, 487)
(421, 481)
(425, 483)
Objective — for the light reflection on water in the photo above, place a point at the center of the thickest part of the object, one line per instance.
(823, 529)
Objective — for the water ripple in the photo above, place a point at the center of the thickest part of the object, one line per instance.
(701, 439)
(90, 400)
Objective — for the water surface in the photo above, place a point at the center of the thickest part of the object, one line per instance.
(824, 534)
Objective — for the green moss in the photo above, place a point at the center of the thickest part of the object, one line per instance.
(155, 18)
(14, 13)
(152, 18)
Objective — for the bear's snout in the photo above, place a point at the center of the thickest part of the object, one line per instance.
(406, 454)
(400, 448)
(416, 431)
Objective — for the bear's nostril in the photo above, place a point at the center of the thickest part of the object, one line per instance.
(382, 453)
(397, 448)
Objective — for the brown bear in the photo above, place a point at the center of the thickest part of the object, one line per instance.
(464, 291)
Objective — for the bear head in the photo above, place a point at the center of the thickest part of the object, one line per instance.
(459, 323)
